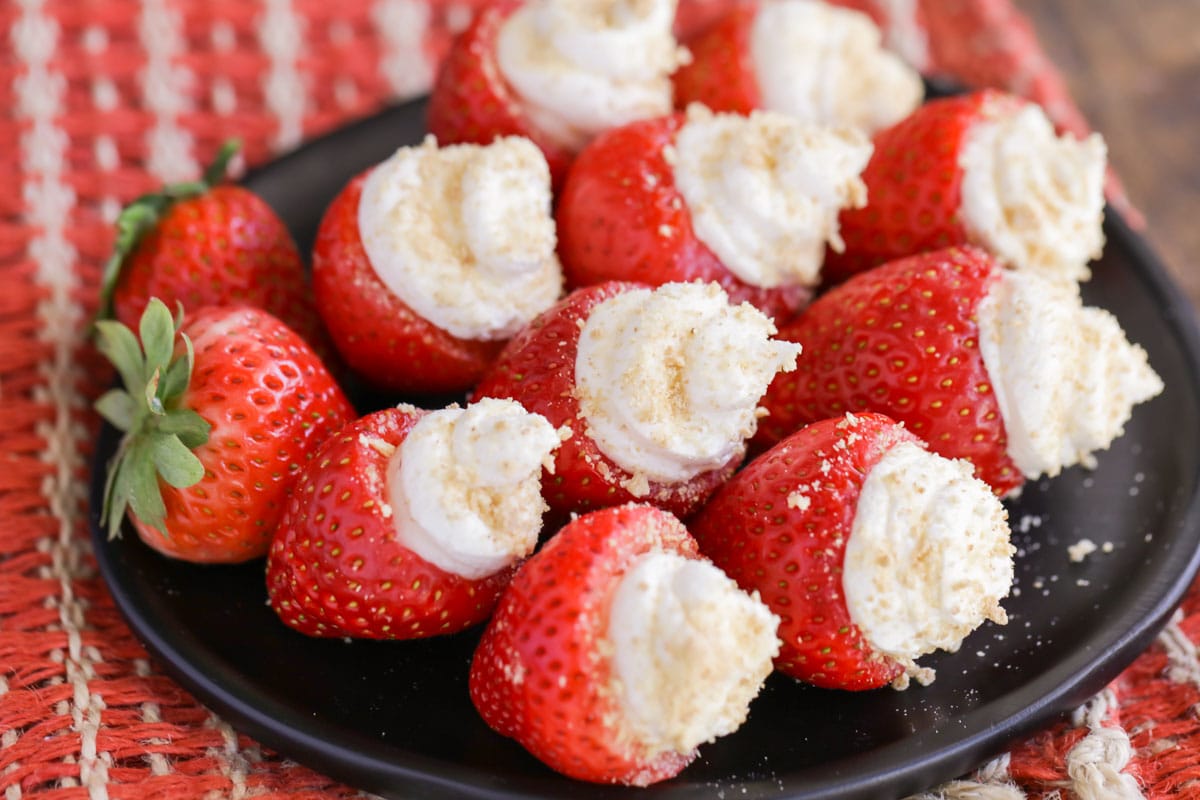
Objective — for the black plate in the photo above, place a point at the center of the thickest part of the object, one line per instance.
(395, 718)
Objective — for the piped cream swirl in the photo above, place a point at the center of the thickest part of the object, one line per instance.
(465, 486)
(928, 558)
(582, 66)
(764, 191)
(1065, 377)
(1033, 198)
(464, 234)
(668, 380)
(826, 64)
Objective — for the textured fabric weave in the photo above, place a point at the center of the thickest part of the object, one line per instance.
(102, 100)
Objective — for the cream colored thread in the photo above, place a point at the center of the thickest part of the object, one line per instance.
(1094, 764)
(990, 782)
(165, 91)
(233, 764)
(49, 201)
(402, 25)
(281, 34)
(1183, 661)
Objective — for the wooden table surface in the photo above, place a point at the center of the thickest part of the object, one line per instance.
(1134, 68)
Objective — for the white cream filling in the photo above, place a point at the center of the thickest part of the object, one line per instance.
(464, 235)
(928, 558)
(828, 65)
(583, 66)
(1033, 198)
(465, 486)
(1065, 377)
(690, 650)
(904, 35)
(764, 192)
(668, 380)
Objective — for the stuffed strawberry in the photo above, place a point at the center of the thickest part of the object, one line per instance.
(985, 168)
(556, 73)
(206, 242)
(747, 202)
(219, 414)
(1006, 369)
(810, 60)
(616, 650)
(659, 389)
(870, 549)
(425, 265)
(409, 523)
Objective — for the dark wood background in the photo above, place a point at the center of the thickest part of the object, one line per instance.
(1134, 68)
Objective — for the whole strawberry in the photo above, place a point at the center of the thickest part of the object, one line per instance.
(207, 242)
(617, 650)
(987, 169)
(408, 523)
(219, 413)
(1008, 370)
(871, 550)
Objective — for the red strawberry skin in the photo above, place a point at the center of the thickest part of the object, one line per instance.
(721, 74)
(224, 247)
(901, 340)
(620, 217)
(914, 186)
(270, 402)
(541, 675)
(377, 334)
(537, 369)
(470, 102)
(335, 568)
(792, 553)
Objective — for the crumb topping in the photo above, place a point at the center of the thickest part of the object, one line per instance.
(1065, 377)
(464, 234)
(764, 191)
(466, 486)
(1032, 197)
(668, 380)
(826, 64)
(582, 66)
(689, 651)
(928, 558)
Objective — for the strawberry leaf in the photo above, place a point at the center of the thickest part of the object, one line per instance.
(144, 494)
(118, 408)
(176, 463)
(118, 344)
(190, 428)
(159, 436)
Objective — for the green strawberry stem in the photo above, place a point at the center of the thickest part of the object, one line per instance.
(159, 435)
(142, 215)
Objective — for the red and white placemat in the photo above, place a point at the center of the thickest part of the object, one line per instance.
(100, 101)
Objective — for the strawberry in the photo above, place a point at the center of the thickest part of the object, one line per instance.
(927, 190)
(621, 217)
(721, 72)
(801, 524)
(202, 243)
(539, 369)
(470, 102)
(901, 340)
(219, 414)
(820, 62)
(552, 669)
(347, 559)
(377, 334)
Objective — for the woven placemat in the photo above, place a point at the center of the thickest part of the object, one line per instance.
(100, 101)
